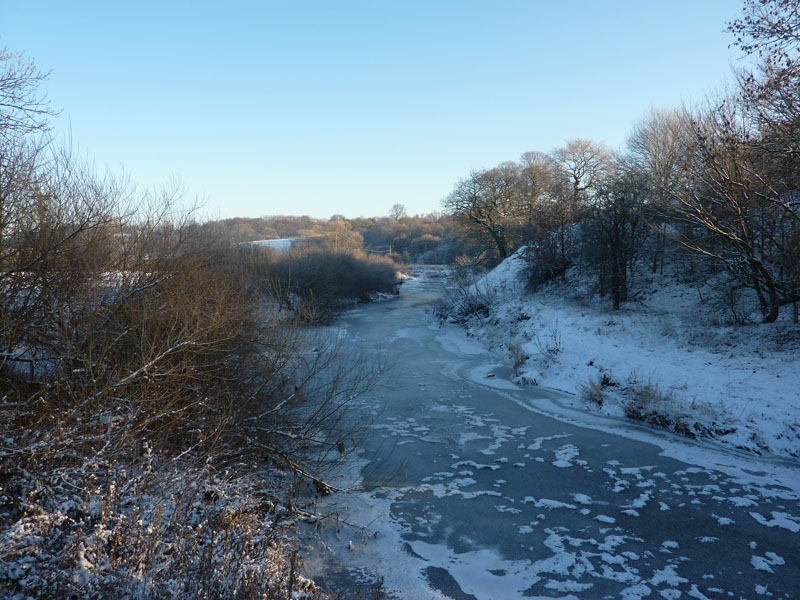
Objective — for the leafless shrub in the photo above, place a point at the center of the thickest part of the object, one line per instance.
(549, 344)
(518, 356)
(595, 390)
(321, 281)
(468, 296)
(648, 403)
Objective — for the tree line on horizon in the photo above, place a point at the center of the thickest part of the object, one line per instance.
(436, 238)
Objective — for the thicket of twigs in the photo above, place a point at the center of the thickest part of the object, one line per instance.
(151, 387)
(319, 281)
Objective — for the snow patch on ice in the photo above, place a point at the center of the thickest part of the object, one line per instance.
(779, 519)
(766, 562)
(566, 455)
(605, 519)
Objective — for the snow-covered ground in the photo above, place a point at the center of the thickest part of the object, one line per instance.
(664, 358)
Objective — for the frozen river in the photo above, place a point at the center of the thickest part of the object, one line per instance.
(470, 486)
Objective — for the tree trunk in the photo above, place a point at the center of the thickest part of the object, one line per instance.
(762, 301)
(615, 287)
(501, 247)
(616, 280)
(774, 305)
(770, 307)
(623, 280)
(656, 253)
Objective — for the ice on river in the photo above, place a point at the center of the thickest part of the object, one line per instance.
(501, 497)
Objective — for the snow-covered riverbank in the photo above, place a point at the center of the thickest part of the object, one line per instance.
(662, 359)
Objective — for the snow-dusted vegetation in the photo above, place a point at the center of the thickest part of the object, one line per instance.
(160, 396)
(151, 390)
(147, 528)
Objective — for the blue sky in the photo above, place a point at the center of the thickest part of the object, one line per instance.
(349, 107)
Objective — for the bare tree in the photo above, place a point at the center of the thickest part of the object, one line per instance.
(615, 230)
(583, 163)
(536, 183)
(770, 28)
(486, 201)
(657, 149)
(748, 197)
(733, 211)
(540, 190)
(581, 166)
(770, 31)
(657, 146)
(23, 109)
(397, 212)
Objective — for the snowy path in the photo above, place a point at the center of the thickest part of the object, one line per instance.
(480, 489)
